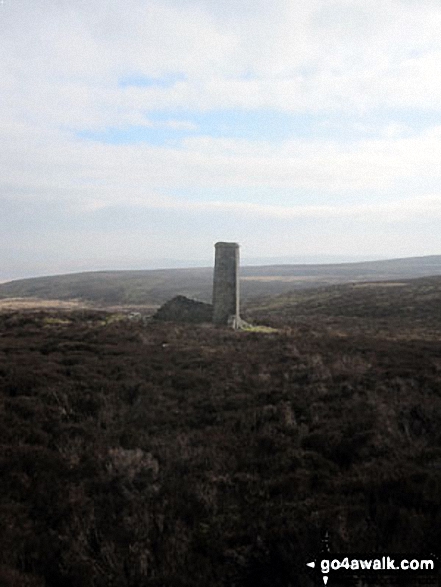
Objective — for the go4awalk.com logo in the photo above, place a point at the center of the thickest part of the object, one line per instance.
(378, 569)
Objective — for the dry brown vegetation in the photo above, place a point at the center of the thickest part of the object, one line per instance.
(148, 454)
(40, 304)
(30, 303)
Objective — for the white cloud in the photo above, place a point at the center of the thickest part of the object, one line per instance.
(428, 207)
(61, 64)
(62, 167)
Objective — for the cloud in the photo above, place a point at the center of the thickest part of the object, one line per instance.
(410, 209)
(61, 62)
(52, 166)
(366, 74)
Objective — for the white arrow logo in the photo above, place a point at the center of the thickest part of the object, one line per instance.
(312, 565)
(325, 580)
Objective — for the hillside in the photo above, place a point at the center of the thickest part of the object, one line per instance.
(396, 305)
(144, 454)
(152, 288)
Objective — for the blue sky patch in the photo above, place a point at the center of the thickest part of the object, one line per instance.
(169, 128)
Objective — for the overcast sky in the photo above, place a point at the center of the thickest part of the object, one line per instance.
(136, 131)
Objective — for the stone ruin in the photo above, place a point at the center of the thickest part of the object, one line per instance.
(225, 308)
(183, 309)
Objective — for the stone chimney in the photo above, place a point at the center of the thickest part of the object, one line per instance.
(226, 284)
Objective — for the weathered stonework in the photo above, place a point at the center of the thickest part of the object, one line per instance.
(226, 285)
(182, 309)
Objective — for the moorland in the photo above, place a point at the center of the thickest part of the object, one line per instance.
(141, 453)
(151, 288)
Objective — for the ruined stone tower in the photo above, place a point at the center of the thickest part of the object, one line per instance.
(226, 284)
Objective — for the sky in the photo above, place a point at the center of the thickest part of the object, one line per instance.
(137, 133)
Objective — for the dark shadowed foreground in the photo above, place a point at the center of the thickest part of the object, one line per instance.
(161, 455)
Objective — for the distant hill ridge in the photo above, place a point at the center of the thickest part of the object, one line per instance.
(154, 287)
